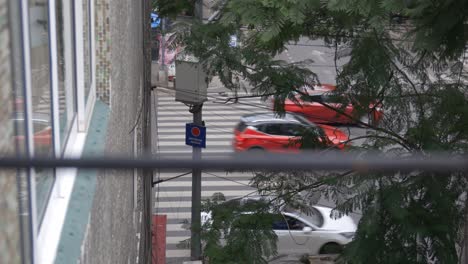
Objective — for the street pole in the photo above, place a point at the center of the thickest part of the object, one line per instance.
(163, 43)
(195, 239)
(195, 236)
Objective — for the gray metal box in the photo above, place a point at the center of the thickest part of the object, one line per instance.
(191, 82)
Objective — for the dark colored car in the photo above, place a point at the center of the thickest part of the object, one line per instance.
(270, 132)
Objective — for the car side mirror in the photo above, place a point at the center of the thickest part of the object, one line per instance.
(307, 230)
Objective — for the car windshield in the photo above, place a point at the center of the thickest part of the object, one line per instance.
(314, 217)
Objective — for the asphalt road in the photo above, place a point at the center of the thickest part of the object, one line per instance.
(173, 197)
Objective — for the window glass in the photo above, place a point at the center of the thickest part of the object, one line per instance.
(292, 130)
(41, 98)
(312, 98)
(87, 47)
(314, 217)
(288, 223)
(332, 99)
(294, 224)
(272, 129)
(280, 224)
(65, 67)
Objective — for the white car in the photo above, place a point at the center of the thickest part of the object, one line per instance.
(311, 234)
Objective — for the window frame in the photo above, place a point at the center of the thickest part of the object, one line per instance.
(28, 126)
(44, 239)
(49, 235)
(85, 105)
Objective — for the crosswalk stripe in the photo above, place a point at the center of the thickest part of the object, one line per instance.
(208, 143)
(173, 197)
(215, 183)
(241, 105)
(170, 253)
(178, 215)
(213, 118)
(175, 240)
(206, 194)
(213, 114)
(215, 96)
(209, 136)
(189, 149)
(172, 204)
(175, 227)
(218, 124)
(205, 173)
(180, 130)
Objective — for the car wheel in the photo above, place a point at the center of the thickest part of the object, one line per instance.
(256, 150)
(331, 248)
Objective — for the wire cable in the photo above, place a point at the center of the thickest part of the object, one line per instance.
(225, 178)
(225, 103)
(214, 127)
(172, 178)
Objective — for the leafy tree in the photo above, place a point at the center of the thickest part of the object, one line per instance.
(238, 232)
(415, 69)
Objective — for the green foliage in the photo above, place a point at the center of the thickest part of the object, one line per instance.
(414, 220)
(238, 233)
(407, 217)
(172, 8)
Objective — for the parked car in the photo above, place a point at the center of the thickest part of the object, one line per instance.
(274, 133)
(298, 233)
(42, 131)
(309, 103)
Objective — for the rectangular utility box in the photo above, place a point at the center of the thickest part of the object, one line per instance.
(191, 82)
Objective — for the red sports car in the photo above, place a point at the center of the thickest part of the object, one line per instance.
(314, 110)
(270, 132)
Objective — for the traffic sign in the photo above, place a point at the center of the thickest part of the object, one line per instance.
(195, 135)
(233, 41)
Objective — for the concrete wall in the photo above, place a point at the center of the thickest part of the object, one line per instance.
(113, 225)
(9, 220)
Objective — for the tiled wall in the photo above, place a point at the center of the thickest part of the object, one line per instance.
(9, 222)
(103, 67)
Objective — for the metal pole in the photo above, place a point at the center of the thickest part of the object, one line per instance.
(195, 239)
(464, 255)
(163, 43)
(198, 12)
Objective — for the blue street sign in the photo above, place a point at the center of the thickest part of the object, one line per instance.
(195, 135)
(155, 21)
(233, 41)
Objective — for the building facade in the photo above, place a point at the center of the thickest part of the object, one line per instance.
(74, 82)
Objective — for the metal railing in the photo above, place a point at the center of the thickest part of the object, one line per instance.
(440, 162)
